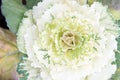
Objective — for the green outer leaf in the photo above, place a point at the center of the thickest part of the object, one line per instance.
(13, 10)
(105, 2)
(117, 55)
(31, 3)
(116, 76)
(20, 69)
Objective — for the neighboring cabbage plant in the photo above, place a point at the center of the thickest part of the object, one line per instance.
(64, 40)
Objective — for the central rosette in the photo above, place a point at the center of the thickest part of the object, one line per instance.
(68, 38)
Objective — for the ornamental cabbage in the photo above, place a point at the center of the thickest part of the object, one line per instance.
(64, 40)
